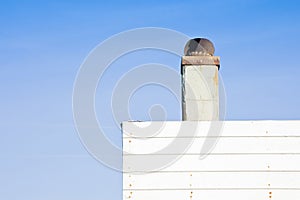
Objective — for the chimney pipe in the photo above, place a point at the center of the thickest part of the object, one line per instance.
(200, 87)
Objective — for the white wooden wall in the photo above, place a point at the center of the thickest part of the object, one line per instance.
(257, 160)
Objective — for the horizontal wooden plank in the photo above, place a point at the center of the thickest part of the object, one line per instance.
(137, 164)
(251, 160)
(203, 180)
(266, 194)
(201, 129)
(223, 145)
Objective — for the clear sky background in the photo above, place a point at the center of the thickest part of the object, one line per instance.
(43, 43)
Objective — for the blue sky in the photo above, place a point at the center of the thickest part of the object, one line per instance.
(43, 43)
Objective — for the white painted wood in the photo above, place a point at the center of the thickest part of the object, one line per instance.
(252, 160)
(213, 195)
(200, 96)
(247, 162)
(230, 128)
(225, 145)
(212, 180)
(201, 109)
(202, 80)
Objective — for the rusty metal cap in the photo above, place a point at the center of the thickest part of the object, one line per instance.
(199, 47)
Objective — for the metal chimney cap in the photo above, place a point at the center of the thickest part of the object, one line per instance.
(199, 47)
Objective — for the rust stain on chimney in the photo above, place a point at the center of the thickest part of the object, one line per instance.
(216, 79)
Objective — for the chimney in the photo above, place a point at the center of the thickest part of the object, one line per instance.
(200, 88)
